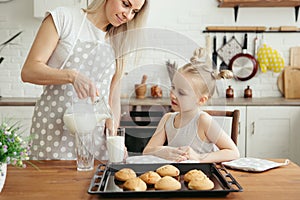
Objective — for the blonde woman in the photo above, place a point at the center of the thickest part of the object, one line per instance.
(76, 56)
(192, 134)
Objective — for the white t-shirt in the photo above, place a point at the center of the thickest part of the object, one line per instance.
(68, 23)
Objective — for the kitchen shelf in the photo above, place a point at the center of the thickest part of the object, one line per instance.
(236, 4)
(249, 31)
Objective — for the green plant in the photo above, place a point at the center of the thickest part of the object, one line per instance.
(13, 149)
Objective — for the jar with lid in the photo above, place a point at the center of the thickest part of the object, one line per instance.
(248, 92)
(229, 92)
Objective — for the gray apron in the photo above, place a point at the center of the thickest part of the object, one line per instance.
(50, 137)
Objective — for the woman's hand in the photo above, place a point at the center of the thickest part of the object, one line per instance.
(84, 87)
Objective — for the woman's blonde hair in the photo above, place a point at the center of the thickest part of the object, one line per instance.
(204, 77)
(122, 38)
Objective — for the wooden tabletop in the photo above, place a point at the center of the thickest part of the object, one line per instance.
(59, 180)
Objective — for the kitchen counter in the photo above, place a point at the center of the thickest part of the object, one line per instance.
(60, 180)
(266, 101)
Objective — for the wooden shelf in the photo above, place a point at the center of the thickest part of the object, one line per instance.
(258, 3)
(236, 4)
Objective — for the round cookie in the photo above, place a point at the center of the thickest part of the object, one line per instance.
(150, 177)
(201, 184)
(168, 170)
(194, 173)
(135, 184)
(167, 183)
(125, 174)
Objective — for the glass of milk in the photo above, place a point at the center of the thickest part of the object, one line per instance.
(115, 141)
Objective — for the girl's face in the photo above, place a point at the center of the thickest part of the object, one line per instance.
(119, 12)
(182, 95)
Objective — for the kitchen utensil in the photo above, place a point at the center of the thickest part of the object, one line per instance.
(214, 54)
(223, 65)
(243, 65)
(4, 44)
(280, 82)
(295, 56)
(104, 184)
(292, 82)
(230, 49)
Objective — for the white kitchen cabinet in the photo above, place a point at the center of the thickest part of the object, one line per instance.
(41, 6)
(272, 132)
(22, 114)
(225, 123)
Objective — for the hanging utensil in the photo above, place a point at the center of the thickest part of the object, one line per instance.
(223, 65)
(243, 65)
(214, 54)
(4, 44)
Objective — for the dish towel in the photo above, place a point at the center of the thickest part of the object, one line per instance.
(253, 164)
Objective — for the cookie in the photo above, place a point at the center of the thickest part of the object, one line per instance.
(201, 184)
(168, 170)
(135, 184)
(150, 177)
(125, 174)
(167, 183)
(194, 173)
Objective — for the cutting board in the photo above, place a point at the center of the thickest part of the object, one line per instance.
(292, 82)
(295, 56)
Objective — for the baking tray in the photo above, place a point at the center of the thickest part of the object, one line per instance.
(104, 184)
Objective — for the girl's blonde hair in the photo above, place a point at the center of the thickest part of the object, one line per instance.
(204, 77)
(122, 38)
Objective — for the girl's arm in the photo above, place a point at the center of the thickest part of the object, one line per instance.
(215, 134)
(156, 146)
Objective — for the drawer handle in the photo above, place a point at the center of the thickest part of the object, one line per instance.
(253, 127)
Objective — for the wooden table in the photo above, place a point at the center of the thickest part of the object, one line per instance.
(58, 180)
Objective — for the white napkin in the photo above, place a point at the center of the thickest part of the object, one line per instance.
(253, 164)
(149, 159)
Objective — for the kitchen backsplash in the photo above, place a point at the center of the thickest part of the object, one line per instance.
(176, 22)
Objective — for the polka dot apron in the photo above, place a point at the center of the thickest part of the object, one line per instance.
(51, 139)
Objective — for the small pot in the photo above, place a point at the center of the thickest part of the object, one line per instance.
(229, 92)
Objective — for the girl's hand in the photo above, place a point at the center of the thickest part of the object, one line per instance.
(189, 153)
(84, 87)
(171, 153)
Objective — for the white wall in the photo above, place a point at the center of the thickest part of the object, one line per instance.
(175, 19)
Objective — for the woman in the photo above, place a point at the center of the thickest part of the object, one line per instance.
(71, 57)
(191, 133)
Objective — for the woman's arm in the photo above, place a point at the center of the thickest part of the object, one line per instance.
(156, 146)
(36, 70)
(115, 102)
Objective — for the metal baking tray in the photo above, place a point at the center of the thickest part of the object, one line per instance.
(104, 184)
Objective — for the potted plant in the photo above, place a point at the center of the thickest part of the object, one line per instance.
(13, 149)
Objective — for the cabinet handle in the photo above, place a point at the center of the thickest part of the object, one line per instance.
(239, 128)
(253, 127)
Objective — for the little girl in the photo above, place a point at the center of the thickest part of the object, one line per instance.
(192, 134)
